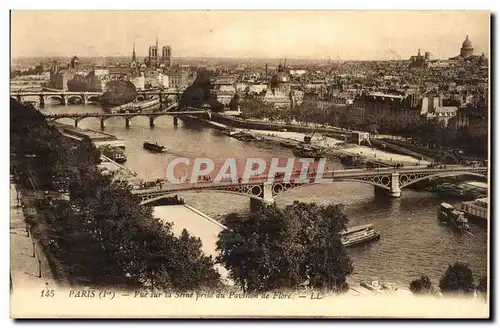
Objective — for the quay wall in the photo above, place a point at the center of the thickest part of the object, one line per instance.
(259, 125)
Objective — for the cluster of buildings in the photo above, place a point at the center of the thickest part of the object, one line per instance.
(389, 94)
(154, 72)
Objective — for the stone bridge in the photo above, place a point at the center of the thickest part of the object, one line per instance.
(63, 96)
(389, 179)
(77, 117)
(86, 97)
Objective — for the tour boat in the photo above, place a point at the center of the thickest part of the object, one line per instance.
(359, 235)
(476, 210)
(154, 147)
(456, 219)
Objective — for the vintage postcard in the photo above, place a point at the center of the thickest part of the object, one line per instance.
(237, 164)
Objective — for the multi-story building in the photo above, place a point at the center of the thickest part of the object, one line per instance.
(139, 81)
(388, 111)
(277, 99)
(475, 119)
(179, 79)
(433, 108)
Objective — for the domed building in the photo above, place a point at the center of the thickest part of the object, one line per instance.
(280, 80)
(467, 53)
(467, 50)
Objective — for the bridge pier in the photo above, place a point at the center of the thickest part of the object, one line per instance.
(127, 122)
(395, 190)
(42, 101)
(76, 123)
(103, 123)
(151, 122)
(267, 198)
(176, 121)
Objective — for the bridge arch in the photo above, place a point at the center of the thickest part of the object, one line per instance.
(278, 191)
(168, 194)
(131, 116)
(71, 98)
(54, 119)
(59, 98)
(87, 116)
(403, 183)
(93, 99)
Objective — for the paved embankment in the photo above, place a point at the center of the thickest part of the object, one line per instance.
(291, 139)
(197, 224)
(29, 268)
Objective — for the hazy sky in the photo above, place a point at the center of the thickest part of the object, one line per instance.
(308, 34)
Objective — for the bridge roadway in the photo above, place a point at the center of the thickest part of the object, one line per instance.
(77, 117)
(261, 188)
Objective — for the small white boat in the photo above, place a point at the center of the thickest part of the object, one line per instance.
(359, 235)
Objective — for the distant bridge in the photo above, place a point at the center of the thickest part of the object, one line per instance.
(77, 117)
(388, 179)
(86, 97)
(63, 96)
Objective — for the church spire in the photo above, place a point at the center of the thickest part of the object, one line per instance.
(133, 53)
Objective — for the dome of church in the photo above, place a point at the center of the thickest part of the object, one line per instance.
(280, 77)
(467, 43)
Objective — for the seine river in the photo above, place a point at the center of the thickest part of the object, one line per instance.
(412, 240)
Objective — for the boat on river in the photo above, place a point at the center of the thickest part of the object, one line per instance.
(359, 235)
(244, 136)
(114, 153)
(454, 218)
(154, 147)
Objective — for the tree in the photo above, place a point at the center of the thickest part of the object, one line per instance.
(118, 93)
(199, 93)
(457, 278)
(277, 248)
(422, 286)
(102, 236)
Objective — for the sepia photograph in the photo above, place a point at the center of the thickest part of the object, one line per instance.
(250, 164)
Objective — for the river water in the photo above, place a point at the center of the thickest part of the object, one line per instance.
(412, 240)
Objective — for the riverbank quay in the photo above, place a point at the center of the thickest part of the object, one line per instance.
(261, 125)
(335, 148)
(197, 224)
(98, 138)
